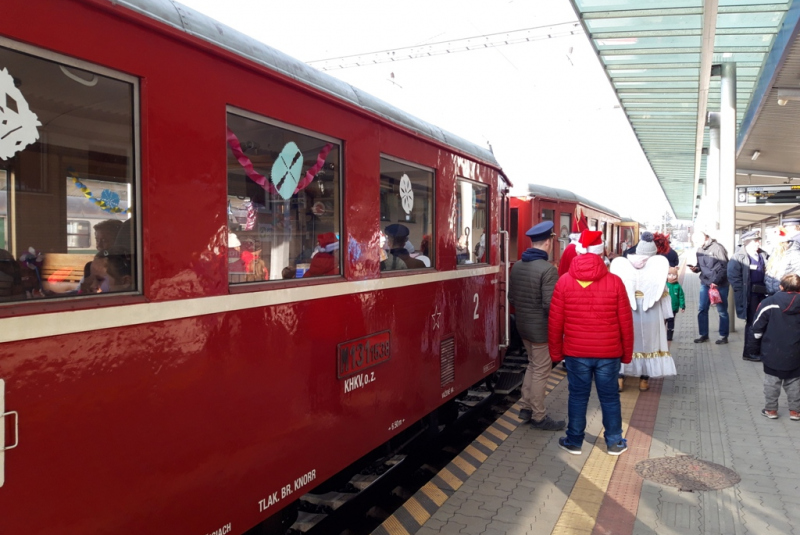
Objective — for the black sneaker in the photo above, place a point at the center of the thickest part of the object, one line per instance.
(752, 358)
(723, 340)
(701, 340)
(574, 450)
(525, 415)
(619, 448)
(548, 424)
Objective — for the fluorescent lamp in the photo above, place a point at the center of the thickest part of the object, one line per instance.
(756, 154)
(785, 95)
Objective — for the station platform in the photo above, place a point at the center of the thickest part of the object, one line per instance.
(515, 480)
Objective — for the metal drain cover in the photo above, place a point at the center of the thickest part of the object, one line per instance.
(687, 473)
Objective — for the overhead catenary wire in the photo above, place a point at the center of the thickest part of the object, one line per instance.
(466, 44)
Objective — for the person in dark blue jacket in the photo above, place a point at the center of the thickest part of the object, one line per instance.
(777, 326)
(746, 272)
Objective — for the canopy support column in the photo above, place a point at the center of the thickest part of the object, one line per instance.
(727, 167)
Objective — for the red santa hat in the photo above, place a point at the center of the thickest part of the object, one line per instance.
(591, 242)
(328, 241)
(578, 221)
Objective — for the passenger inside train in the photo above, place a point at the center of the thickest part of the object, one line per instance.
(111, 271)
(398, 254)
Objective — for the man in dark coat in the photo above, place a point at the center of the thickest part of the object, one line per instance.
(746, 273)
(531, 285)
(712, 264)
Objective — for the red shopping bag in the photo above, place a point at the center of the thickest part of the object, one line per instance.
(713, 295)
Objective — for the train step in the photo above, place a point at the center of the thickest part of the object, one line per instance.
(508, 380)
(332, 500)
(306, 521)
(362, 481)
(474, 397)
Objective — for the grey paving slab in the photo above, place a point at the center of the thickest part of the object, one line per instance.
(711, 409)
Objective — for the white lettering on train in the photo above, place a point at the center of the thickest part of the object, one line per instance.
(358, 381)
(224, 530)
(285, 491)
(305, 479)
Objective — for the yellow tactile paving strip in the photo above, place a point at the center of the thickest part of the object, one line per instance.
(580, 512)
(420, 507)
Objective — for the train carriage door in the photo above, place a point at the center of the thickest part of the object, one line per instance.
(563, 230)
(628, 235)
(505, 259)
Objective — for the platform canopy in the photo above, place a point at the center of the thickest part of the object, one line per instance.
(658, 56)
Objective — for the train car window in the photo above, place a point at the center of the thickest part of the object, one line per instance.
(407, 240)
(471, 222)
(68, 149)
(283, 201)
(79, 235)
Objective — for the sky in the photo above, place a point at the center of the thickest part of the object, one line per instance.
(545, 106)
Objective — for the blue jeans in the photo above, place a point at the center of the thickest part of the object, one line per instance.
(722, 309)
(580, 371)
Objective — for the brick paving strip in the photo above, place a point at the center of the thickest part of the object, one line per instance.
(617, 513)
(588, 494)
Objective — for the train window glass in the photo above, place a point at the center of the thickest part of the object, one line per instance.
(283, 201)
(67, 146)
(471, 222)
(406, 216)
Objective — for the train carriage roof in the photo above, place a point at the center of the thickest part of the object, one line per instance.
(536, 190)
(201, 26)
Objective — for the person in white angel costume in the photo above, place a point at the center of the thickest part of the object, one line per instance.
(645, 278)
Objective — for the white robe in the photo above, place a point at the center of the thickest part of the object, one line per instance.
(651, 354)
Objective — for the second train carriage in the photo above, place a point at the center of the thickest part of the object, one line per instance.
(564, 208)
(204, 392)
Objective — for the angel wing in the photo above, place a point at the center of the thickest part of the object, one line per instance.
(622, 268)
(652, 279)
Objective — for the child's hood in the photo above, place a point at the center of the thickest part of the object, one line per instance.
(789, 302)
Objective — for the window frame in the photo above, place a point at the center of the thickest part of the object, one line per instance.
(136, 156)
(243, 287)
(488, 219)
(434, 231)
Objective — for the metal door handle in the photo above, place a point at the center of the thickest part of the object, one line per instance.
(16, 429)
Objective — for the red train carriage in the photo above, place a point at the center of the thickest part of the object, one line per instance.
(564, 209)
(298, 271)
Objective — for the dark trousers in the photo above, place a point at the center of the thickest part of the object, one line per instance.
(752, 347)
(670, 328)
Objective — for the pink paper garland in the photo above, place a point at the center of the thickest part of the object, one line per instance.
(264, 182)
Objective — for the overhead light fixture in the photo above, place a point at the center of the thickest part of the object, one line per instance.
(756, 154)
(785, 95)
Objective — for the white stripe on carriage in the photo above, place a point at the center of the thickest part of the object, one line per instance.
(76, 321)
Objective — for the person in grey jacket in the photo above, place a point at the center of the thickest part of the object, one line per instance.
(712, 264)
(531, 286)
(746, 274)
(790, 262)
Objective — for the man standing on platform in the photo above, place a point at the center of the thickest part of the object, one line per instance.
(746, 272)
(712, 264)
(531, 285)
(591, 328)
